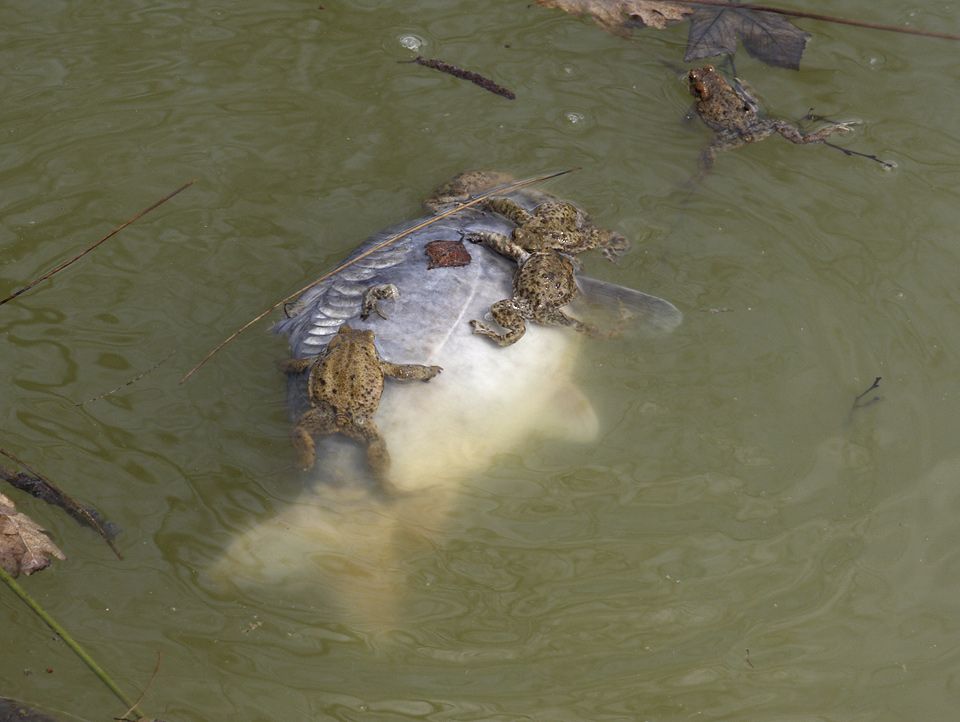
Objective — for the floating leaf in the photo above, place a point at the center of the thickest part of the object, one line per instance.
(619, 16)
(24, 546)
(444, 254)
(767, 37)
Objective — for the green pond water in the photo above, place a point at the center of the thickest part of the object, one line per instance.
(733, 501)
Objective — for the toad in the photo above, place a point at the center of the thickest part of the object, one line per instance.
(344, 384)
(467, 185)
(735, 116)
(545, 279)
(555, 225)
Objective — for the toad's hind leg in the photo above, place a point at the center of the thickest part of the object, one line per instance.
(315, 422)
(378, 457)
(613, 244)
(505, 313)
(509, 208)
(795, 136)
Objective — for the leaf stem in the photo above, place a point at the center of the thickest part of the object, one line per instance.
(70, 642)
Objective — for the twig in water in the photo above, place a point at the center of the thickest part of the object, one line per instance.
(58, 498)
(111, 233)
(456, 72)
(131, 381)
(430, 221)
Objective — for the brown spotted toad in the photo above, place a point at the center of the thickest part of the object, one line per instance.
(559, 226)
(736, 119)
(545, 279)
(344, 384)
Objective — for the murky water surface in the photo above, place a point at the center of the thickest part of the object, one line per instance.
(733, 502)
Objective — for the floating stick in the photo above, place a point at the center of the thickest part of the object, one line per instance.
(111, 233)
(456, 72)
(77, 511)
(131, 381)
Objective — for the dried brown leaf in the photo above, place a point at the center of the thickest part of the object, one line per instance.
(443, 254)
(620, 16)
(24, 545)
(770, 38)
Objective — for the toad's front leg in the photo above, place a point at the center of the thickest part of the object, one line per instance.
(409, 372)
(500, 243)
(613, 244)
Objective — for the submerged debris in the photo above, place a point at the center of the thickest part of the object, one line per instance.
(859, 403)
(13, 711)
(767, 36)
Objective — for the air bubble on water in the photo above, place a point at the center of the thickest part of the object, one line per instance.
(874, 61)
(575, 118)
(411, 42)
